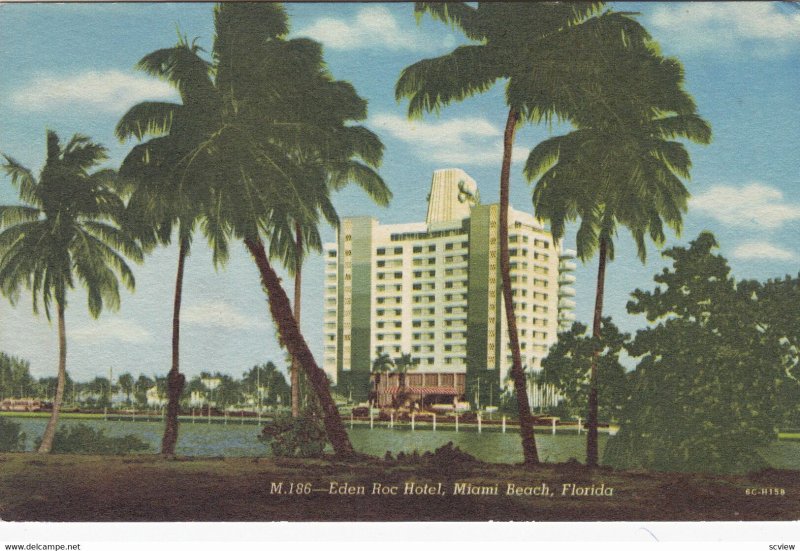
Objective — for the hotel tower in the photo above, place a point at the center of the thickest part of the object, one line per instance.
(433, 290)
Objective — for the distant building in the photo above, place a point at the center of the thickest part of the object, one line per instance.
(433, 289)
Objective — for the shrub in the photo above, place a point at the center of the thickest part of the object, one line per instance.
(300, 437)
(12, 439)
(84, 439)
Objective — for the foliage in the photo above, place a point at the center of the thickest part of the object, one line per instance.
(12, 438)
(274, 389)
(703, 396)
(84, 439)
(15, 377)
(568, 363)
(382, 363)
(302, 436)
(66, 229)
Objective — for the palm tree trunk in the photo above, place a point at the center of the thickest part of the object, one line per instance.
(531, 456)
(592, 451)
(50, 431)
(298, 280)
(175, 379)
(292, 338)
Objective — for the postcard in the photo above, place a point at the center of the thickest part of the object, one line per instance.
(373, 262)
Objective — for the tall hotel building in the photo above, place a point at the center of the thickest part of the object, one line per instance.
(433, 290)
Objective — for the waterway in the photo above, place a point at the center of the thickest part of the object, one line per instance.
(492, 445)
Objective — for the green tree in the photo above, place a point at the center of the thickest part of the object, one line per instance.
(706, 366)
(778, 303)
(151, 173)
(353, 158)
(143, 384)
(65, 231)
(15, 377)
(382, 363)
(269, 100)
(100, 389)
(621, 166)
(126, 384)
(267, 384)
(402, 365)
(556, 59)
(568, 367)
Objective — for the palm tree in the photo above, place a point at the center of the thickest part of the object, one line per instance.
(267, 106)
(621, 168)
(554, 56)
(338, 169)
(382, 363)
(64, 231)
(151, 175)
(402, 365)
(126, 382)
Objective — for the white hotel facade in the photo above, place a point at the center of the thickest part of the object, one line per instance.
(432, 289)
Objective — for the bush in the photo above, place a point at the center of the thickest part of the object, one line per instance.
(84, 439)
(12, 439)
(301, 437)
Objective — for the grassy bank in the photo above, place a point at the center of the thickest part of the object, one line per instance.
(146, 488)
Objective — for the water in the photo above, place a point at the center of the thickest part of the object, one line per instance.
(236, 440)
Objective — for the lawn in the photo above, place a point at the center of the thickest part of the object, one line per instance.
(147, 488)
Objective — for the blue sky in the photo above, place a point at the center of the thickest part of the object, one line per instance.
(70, 68)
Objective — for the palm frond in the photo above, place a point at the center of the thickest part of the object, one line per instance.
(146, 118)
(23, 179)
(431, 84)
(10, 215)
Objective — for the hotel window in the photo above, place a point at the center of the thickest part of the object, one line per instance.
(331, 254)
(417, 249)
(381, 252)
(431, 248)
(398, 250)
(448, 246)
(381, 263)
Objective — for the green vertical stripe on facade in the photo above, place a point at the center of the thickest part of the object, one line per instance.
(479, 377)
(356, 380)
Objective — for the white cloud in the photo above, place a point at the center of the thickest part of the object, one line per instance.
(114, 329)
(756, 205)
(373, 27)
(728, 25)
(109, 91)
(762, 250)
(218, 314)
(465, 141)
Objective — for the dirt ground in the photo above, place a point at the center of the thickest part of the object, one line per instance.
(147, 488)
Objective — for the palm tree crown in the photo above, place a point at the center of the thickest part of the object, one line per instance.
(66, 229)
